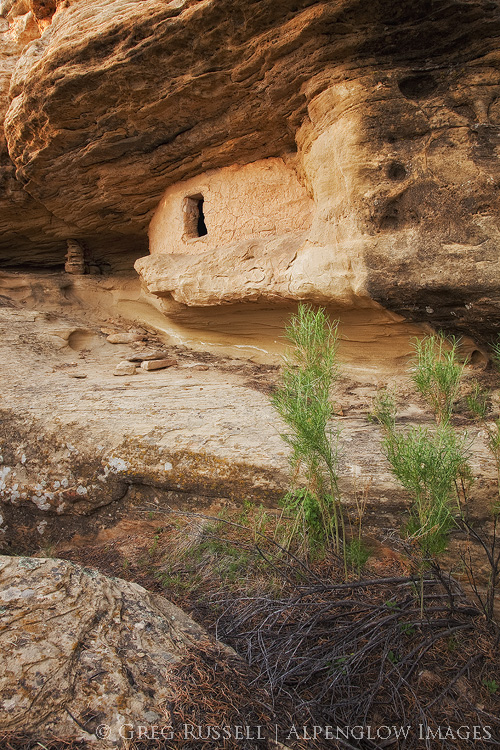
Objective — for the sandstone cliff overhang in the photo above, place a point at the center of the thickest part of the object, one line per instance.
(392, 110)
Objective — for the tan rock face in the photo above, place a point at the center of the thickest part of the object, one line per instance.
(157, 364)
(81, 652)
(412, 209)
(23, 220)
(30, 235)
(391, 107)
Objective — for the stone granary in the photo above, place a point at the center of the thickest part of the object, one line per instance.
(230, 234)
(75, 258)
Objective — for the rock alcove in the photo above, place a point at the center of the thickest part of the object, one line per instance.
(175, 178)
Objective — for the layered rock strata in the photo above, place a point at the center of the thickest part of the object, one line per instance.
(23, 219)
(31, 235)
(79, 446)
(391, 109)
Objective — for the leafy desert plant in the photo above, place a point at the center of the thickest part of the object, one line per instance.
(357, 554)
(304, 403)
(477, 401)
(491, 686)
(493, 430)
(429, 464)
(384, 410)
(495, 354)
(437, 373)
(432, 465)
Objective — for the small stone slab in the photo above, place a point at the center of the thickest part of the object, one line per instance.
(124, 338)
(198, 366)
(146, 356)
(79, 375)
(125, 368)
(157, 364)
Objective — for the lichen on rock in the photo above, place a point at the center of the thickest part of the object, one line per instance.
(88, 656)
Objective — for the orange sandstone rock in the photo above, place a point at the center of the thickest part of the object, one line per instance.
(387, 114)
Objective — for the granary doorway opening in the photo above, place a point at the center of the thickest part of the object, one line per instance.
(194, 217)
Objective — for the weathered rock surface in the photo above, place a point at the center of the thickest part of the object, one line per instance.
(124, 338)
(71, 447)
(74, 451)
(146, 356)
(250, 270)
(392, 110)
(88, 656)
(23, 220)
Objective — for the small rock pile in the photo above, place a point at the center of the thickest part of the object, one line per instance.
(148, 360)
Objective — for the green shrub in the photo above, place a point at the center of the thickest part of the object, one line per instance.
(384, 409)
(429, 464)
(495, 354)
(304, 403)
(357, 554)
(437, 373)
(477, 401)
(491, 686)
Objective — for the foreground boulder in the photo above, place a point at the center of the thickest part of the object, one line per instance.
(89, 657)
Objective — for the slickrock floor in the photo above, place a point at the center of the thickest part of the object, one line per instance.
(76, 439)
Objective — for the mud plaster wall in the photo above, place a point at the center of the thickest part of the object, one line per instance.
(262, 199)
